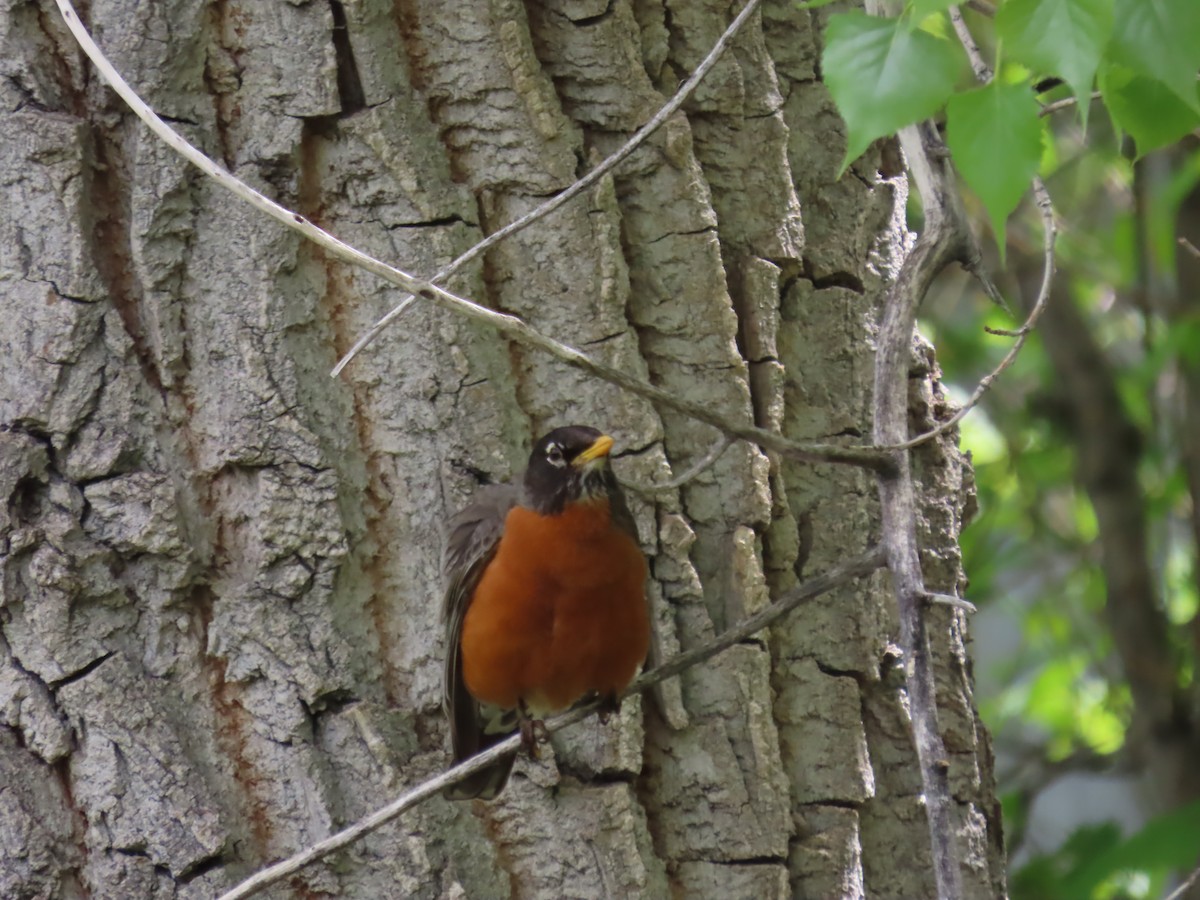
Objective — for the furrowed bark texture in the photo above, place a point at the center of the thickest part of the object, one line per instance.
(220, 567)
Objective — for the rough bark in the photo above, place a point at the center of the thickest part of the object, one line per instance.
(220, 587)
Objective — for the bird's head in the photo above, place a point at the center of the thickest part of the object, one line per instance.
(569, 465)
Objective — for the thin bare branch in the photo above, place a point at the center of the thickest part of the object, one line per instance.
(1189, 247)
(224, 178)
(950, 600)
(974, 265)
(1183, 888)
(1065, 103)
(858, 567)
(510, 326)
(983, 72)
(680, 480)
(1050, 236)
(554, 203)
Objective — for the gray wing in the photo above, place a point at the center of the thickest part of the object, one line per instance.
(471, 541)
(619, 510)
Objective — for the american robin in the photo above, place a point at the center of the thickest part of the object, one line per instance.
(545, 600)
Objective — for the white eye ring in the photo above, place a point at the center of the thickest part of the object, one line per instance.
(555, 456)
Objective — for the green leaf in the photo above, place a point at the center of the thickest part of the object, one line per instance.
(1166, 842)
(884, 76)
(1058, 37)
(1160, 39)
(923, 8)
(1146, 109)
(995, 137)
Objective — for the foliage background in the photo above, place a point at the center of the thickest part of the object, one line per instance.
(1046, 569)
(1087, 453)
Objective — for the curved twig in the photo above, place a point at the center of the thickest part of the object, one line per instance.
(1066, 103)
(1050, 232)
(1183, 888)
(983, 72)
(950, 600)
(688, 474)
(639, 138)
(510, 326)
(856, 568)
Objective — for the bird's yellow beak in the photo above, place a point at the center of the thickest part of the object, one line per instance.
(599, 448)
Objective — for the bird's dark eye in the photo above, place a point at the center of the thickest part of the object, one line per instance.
(555, 456)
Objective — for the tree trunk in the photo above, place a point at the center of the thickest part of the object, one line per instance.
(220, 635)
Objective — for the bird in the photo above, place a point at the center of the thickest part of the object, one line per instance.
(545, 601)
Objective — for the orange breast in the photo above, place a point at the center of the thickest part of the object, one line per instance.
(560, 611)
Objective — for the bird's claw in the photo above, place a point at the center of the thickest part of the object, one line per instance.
(533, 732)
(609, 706)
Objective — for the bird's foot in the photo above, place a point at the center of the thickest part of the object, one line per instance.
(533, 732)
(610, 705)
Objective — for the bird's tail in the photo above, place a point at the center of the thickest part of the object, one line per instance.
(474, 728)
(487, 783)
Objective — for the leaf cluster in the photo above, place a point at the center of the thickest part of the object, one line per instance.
(1055, 694)
(1120, 162)
(888, 72)
(1098, 861)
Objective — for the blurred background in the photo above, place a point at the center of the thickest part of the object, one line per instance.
(1082, 558)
